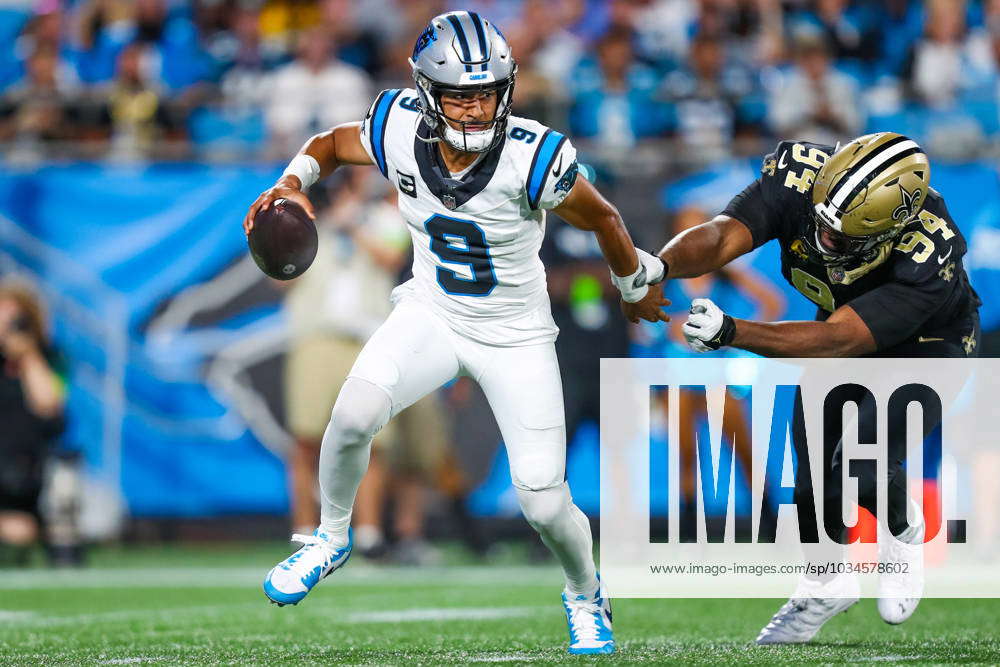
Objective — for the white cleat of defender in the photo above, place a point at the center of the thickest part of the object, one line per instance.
(813, 604)
(901, 584)
(290, 581)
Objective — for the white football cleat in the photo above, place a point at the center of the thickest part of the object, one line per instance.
(589, 621)
(901, 585)
(290, 581)
(813, 604)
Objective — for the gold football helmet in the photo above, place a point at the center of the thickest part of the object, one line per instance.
(865, 194)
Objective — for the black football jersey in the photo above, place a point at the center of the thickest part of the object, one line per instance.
(914, 290)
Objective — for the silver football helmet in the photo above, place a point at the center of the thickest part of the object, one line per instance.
(461, 53)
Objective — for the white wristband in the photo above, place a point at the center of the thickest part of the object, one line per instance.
(633, 287)
(305, 167)
(650, 271)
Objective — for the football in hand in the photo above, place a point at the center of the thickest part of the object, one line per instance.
(283, 240)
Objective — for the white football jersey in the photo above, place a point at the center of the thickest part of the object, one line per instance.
(475, 239)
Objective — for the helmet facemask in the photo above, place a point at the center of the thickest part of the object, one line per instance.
(462, 138)
(835, 248)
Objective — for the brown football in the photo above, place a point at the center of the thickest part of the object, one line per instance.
(283, 240)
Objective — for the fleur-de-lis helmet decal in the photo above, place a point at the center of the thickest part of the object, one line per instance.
(908, 208)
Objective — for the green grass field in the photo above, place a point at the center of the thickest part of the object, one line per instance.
(205, 606)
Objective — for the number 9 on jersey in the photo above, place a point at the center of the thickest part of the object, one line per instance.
(457, 241)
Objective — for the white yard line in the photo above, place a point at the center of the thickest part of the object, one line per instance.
(226, 577)
(7, 615)
(34, 620)
(889, 658)
(187, 614)
(441, 614)
(514, 657)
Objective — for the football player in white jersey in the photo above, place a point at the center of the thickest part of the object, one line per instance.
(474, 185)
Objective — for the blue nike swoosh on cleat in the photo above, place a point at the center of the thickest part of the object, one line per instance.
(350, 550)
(312, 578)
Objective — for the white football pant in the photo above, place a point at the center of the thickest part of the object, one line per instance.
(413, 353)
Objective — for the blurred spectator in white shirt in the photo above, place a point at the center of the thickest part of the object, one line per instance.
(934, 70)
(313, 93)
(813, 101)
(983, 49)
(244, 62)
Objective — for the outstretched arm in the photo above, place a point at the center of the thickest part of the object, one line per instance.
(843, 334)
(706, 247)
(585, 208)
(317, 159)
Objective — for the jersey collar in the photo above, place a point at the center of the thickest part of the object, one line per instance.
(452, 192)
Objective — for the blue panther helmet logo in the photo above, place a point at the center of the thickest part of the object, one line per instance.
(423, 41)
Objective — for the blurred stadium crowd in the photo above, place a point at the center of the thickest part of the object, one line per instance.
(687, 82)
(185, 366)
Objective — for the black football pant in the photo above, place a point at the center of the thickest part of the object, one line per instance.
(831, 451)
(956, 344)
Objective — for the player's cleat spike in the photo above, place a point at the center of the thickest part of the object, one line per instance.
(291, 580)
(901, 584)
(804, 614)
(589, 621)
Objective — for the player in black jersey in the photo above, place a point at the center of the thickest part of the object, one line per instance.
(865, 238)
(862, 235)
